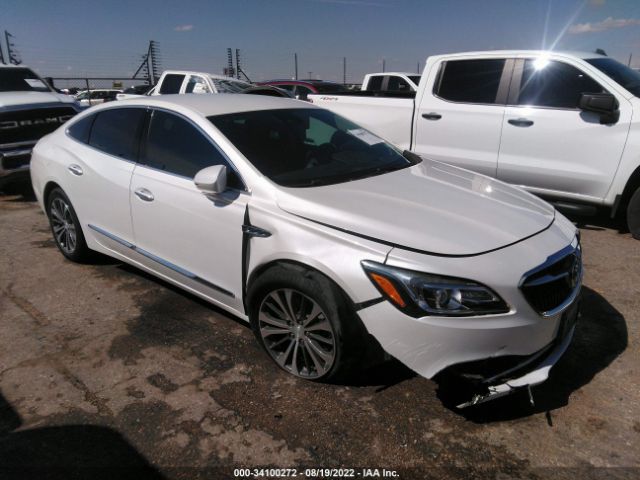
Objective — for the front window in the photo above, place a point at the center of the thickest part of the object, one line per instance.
(308, 147)
(21, 80)
(620, 73)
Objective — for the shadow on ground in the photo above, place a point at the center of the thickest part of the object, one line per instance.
(67, 452)
(600, 337)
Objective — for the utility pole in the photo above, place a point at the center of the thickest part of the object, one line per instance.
(344, 70)
(295, 63)
(418, 68)
(629, 64)
(14, 56)
(384, 65)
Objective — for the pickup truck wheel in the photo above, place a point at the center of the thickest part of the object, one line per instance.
(633, 215)
(305, 323)
(66, 228)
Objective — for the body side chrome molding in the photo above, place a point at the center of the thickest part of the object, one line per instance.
(162, 261)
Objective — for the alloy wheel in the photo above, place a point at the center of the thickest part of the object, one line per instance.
(64, 228)
(297, 333)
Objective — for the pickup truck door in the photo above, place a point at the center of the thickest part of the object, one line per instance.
(548, 145)
(180, 233)
(460, 113)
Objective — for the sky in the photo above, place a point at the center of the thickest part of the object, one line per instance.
(108, 38)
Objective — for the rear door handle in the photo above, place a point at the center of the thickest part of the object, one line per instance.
(75, 169)
(520, 122)
(144, 194)
(431, 116)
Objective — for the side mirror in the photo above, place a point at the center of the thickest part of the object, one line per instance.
(603, 104)
(212, 180)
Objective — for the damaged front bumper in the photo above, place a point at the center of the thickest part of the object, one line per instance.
(534, 370)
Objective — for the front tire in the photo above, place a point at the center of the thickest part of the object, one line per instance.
(65, 227)
(633, 215)
(305, 323)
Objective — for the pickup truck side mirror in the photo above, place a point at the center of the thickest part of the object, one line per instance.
(212, 180)
(603, 104)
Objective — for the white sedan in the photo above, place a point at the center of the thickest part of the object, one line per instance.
(328, 240)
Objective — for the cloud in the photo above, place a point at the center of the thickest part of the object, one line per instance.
(606, 24)
(183, 28)
(597, 3)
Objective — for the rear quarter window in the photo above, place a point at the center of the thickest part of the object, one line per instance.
(81, 129)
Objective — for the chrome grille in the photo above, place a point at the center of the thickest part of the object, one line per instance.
(552, 286)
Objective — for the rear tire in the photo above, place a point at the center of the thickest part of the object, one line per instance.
(65, 227)
(306, 324)
(633, 215)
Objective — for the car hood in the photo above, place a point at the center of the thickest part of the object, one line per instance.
(431, 207)
(12, 99)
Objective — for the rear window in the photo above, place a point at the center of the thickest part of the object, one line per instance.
(116, 132)
(21, 80)
(171, 83)
(415, 79)
(80, 130)
(470, 81)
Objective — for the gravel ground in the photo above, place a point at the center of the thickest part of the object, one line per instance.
(103, 367)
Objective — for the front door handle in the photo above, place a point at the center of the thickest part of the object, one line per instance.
(431, 116)
(144, 194)
(75, 169)
(521, 122)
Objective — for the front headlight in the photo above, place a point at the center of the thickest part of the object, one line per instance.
(419, 294)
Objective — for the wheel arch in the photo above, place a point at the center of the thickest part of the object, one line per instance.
(300, 266)
(633, 183)
(48, 188)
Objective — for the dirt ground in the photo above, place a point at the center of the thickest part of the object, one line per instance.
(106, 372)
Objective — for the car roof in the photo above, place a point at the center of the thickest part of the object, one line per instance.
(218, 104)
(523, 53)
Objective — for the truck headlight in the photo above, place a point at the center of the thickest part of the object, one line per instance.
(419, 294)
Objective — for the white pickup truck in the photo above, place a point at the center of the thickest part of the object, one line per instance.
(565, 126)
(29, 110)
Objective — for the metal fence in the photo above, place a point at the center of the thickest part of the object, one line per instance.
(73, 85)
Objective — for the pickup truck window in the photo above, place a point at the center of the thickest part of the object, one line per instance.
(375, 83)
(398, 84)
(302, 147)
(554, 84)
(415, 79)
(171, 83)
(21, 80)
(620, 73)
(470, 81)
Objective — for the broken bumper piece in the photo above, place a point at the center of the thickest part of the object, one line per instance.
(534, 377)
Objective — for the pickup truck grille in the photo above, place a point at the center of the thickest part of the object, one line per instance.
(32, 124)
(554, 284)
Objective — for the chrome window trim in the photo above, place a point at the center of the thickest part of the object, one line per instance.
(161, 261)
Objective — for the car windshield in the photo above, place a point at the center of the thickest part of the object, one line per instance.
(229, 86)
(415, 79)
(620, 73)
(21, 80)
(304, 147)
